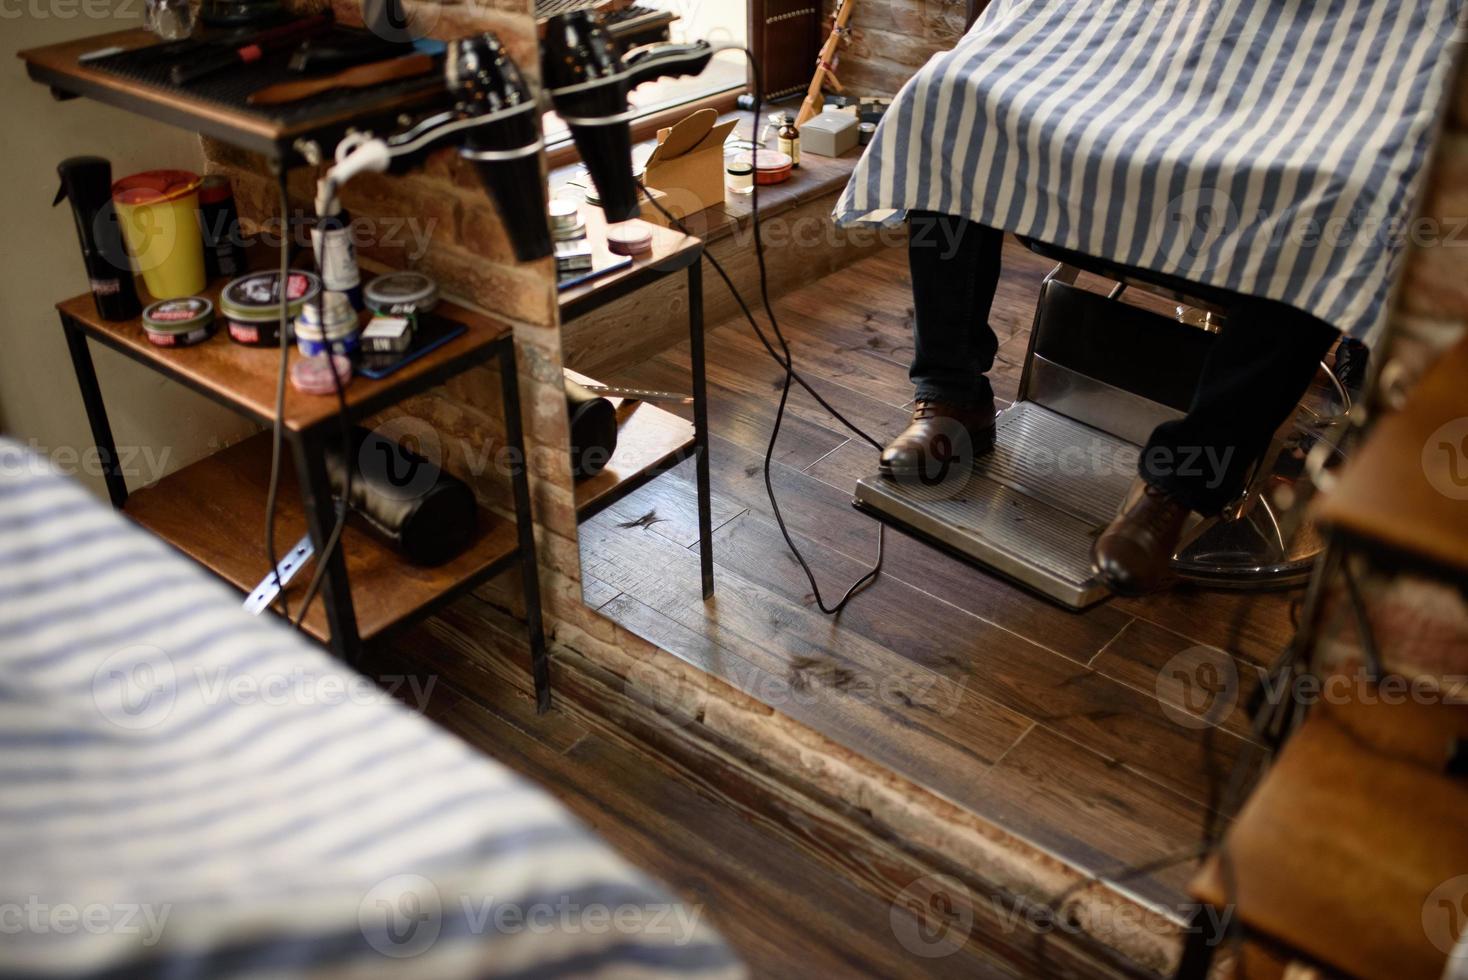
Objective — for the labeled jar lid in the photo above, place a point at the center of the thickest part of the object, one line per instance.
(179, 322)
(401, 294)
(256, 298)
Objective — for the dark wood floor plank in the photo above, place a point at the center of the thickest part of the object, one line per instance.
(770, 901)
(1063, 797)
(940, 733)
(1198, 680)
(669, 509)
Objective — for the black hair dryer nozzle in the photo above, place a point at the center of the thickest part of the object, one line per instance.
(588, 80)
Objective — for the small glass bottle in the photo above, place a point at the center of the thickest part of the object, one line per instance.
(789, 140)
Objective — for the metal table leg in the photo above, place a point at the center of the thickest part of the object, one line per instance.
(336, 590)
(525, 524)
(701, 426)
(86, 379)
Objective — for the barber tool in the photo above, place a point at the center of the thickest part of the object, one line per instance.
(179, 322)
(251, 305)
(258, 46)
(87, 183)
(593, 430)
(826, 63)
(588, 82)
(219, 224)
(270, 587)
(333, 53)
(362, 76)
(494, 121)
(640, 394)
(424, 513)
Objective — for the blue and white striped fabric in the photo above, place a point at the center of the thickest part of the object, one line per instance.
(186, 791)
(1271, 147)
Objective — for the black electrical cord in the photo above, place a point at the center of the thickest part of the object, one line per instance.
(275, 439)
(786, 360)
(348, 462)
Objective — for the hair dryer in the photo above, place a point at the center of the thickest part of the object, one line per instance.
(495, 122)
(588, 81)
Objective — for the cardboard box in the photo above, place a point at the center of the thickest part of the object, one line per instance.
(688, 164)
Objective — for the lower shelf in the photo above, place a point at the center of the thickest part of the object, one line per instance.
(214, 512)
(649, 442)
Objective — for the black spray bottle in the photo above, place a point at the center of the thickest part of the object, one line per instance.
(87, 183)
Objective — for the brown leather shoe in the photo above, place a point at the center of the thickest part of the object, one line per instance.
(924, 447)
(1133, 556)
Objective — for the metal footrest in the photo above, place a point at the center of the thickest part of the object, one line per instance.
(1029, 510)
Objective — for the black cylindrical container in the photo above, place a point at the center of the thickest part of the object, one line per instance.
(87, 183)
(219, 224)
(506, 150)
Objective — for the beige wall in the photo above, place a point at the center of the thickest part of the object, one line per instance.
(40, 262)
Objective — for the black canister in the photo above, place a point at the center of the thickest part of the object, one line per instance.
(87, 183)
(219, 225)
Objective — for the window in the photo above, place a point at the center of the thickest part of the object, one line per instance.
(721, 22)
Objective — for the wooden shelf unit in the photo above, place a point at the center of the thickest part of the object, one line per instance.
(214, 512)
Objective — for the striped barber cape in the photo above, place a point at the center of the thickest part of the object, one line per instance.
(1270, 147)
(187, 791)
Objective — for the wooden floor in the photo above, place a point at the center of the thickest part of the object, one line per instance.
(1062, 727)
(773, 902)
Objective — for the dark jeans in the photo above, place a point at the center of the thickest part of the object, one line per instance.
(1256, 373)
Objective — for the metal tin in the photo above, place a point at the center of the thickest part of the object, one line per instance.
(865, 132)
(565, 220)
(330, 324)
(251, 304)
(771, 167)
(629, 239)
(402, 294)
(179, 322)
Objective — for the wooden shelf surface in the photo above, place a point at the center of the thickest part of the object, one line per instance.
(671, 251)
(214, 512)
(59, 66)
(245, 377)
(649, 441)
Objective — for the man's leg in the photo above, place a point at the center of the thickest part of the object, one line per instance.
(1258, 370)
(955, 270)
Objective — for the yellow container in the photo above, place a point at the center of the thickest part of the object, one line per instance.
(158, 211)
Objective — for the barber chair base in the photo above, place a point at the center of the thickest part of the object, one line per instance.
(1031, 509)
